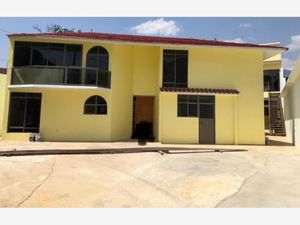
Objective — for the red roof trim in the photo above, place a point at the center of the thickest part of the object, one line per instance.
(147, 39)
(200, 90)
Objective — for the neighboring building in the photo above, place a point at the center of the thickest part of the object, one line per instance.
(274, 81)
(291, 96)
(111, 87)
(2, 95)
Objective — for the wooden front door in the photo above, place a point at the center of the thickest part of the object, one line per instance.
(206, 120)
(142, 116)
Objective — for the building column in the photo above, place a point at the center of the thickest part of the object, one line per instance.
(236, 125)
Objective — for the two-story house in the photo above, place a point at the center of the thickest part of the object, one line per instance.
(111, 87)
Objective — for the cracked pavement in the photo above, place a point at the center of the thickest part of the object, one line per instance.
(259, 177)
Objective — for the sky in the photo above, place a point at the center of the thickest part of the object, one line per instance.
(285, 30)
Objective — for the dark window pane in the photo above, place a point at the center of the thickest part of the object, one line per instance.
(182, 109)
(103, 78)
(207, 111)
(92, 58)
(22, 56)
(16, 112)
(101, 109)
(271, 80)
(90, 109)
(55, 55)
(192, 98)
(206, 99)
(92, 100)
(100, 100)
(169, 68)
(91, 77)
(182, 98)
(266, 111)
(74, 76)
(39, 54)
(192, 110)
(24, 112)
(33, 108)
(181, 69)
(103, 62)
(22, 44)
(73, 55)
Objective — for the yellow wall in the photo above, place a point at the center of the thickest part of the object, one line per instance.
(176, 129)
(227, 68)
(2, 98)
(225, 119)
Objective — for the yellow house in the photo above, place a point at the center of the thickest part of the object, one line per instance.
(112, 87)
(2, 95)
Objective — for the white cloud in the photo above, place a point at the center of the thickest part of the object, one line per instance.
(295, 43)
(288, 63)
(157, 27)
(246, 25)
(236, 40)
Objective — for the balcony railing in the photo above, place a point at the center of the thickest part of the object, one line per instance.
(50, 75)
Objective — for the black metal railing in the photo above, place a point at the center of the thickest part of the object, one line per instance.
(56, 75)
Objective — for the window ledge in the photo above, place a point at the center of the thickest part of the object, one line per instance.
(44, 86)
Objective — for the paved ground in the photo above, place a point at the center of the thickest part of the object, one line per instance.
(259, 176)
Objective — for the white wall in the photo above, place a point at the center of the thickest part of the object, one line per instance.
(292, 112)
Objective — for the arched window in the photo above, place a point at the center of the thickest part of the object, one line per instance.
(95, 105)
(97, 57)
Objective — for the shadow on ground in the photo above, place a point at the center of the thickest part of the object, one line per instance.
(161, 150)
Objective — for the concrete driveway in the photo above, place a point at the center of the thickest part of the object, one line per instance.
(258, 177)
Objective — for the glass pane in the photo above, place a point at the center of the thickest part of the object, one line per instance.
(103, 78)
(73, 55)
(207, 111)
(56, 55)
(192, 98)
(181, 68)
(88, 109)
(39, 54)
(92, 59)
(16, 112)
(91, 77)
(100, 100)
(182, 109)
(103, 62)
(182, 98)
(101, 109)
(74, 76)
(33, 109)
(22, 56)
(169, 68)
(91, 100)
(206, 99)
(192, 110)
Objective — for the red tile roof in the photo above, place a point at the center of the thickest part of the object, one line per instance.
(201, 90)
(147, 39)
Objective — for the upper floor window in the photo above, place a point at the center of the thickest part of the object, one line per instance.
(175, 68)
(95, 105)
(271, 80)
(47, 54)
(97, 57)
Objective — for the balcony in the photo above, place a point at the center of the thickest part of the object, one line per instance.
(49, 75)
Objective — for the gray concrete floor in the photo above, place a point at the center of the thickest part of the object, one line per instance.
(260, 176)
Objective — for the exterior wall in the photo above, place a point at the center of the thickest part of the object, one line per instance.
(236, 69)
(292, 113)
(137, 70)
(176, 129)
(62, 117)
(2, 98)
